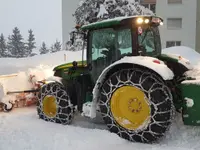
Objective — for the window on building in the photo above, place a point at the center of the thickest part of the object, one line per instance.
(137, 1)
(150, 4)
(173, 43)
(174, 1)
(152, 7)
(174, 23)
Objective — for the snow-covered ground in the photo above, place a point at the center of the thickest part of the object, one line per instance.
(22, 130)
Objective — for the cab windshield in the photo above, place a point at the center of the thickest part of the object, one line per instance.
(149, 40)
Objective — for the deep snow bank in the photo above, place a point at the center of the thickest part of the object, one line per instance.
(186, 52)
(14, 65)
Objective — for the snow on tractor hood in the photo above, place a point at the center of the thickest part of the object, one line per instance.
(185, 52)
(146, 61)
(180, 59)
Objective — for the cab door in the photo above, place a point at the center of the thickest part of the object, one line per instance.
(101, 50)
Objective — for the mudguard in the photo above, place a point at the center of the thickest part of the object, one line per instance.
(149, 62)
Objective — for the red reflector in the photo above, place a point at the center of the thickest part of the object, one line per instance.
(156, 61)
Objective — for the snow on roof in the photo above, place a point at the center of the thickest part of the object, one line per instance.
(113, 21)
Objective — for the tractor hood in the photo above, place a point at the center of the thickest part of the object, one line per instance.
(68, 65)
(177, 58)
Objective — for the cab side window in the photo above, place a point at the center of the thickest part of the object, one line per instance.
(103, 43)
(125, 42)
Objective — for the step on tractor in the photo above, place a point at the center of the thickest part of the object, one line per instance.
(123, 76)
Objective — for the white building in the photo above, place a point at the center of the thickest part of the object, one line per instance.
(68, 22)
(181, 21)
(181, 26)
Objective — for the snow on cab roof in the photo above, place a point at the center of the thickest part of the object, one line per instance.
(110, 22)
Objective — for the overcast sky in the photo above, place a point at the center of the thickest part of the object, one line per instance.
(42, 16)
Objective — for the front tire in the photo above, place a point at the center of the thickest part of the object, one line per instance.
(54, 104)
(137, 105)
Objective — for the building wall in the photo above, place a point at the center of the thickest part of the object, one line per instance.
(186, 11)
(68, 8)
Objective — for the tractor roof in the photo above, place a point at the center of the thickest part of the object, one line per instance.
(112, 22)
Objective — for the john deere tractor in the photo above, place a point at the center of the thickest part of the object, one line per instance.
(125, 78)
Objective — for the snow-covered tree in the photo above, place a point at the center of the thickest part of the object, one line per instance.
(52, 49)
(3, 46)
(31, 43)
(94, 10)
(16, 46)
(77, 44)
(43, 49)
(55, 47)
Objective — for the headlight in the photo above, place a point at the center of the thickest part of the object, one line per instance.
(140, 20)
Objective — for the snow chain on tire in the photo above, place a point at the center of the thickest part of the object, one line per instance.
(158, 96)
(64, 114)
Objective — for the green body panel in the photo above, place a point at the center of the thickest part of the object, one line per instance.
(191, 115)
(89, 96)
(68, 65)
(165, 57)
(178, 102)
(68, 71)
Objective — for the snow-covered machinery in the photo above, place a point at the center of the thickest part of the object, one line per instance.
(18, 90)
(126, 79)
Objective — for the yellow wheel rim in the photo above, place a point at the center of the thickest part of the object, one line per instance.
(49, 106)
(130, 107)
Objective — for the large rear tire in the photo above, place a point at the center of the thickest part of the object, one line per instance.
(54, 104)
(137, 105)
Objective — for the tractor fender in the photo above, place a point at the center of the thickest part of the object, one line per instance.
(53, 79)
(152, 63)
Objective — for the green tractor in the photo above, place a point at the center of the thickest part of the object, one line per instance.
(125, 78)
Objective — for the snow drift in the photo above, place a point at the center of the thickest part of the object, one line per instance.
(14, 65)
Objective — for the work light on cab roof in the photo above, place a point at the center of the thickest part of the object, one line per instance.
(154, 20)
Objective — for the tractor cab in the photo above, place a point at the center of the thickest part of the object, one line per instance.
(111, 40)
(124, 36)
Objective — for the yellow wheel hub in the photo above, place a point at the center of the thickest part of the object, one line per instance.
(130, 107)
(49, 106)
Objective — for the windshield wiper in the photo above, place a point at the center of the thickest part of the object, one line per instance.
(146, 31)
